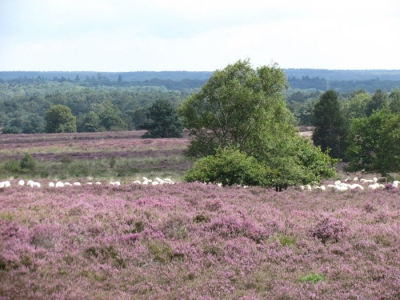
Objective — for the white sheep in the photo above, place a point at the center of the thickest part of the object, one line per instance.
(67, 184)
(375, 186)
(356, 186)
(36, 184)
(51, 184)
(76, 184)
(167, 180)
(98, 183)
(59, 184)
(21, 182)
(136, 182)
(160, 181)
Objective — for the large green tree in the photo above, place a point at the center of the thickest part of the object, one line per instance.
(378, 101)
(356, 104)
(330, 126)
(110, 120)
(244, 109)
(163, 121)
(239, 106)
(91, 122)
(374, 143)
(60, 119)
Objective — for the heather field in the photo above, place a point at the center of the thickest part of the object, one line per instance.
(195, 241)
(186, 240)
(102, 156)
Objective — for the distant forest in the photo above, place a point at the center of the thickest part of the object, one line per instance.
(120, 101)
(319, 79)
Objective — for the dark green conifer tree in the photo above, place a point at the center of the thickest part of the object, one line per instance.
(330, 126)
(163, 121)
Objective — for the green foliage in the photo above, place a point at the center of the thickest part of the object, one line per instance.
(111, 121)
(313, 277)
(12, 165)
(378, 101)
(60, 119)
(11, 130)
(230, 167)
(238, 107)
(28, 163)
(374, 143)
(356, 105)
(164, 121)
(243, 109)
(395, 100)
(330, 126)
(91, 122)
(316, 164)
(113, 161)
(286, 240)
(66, 159)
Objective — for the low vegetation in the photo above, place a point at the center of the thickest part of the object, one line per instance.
(197, 241)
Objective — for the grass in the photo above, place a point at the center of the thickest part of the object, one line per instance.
(97, 170)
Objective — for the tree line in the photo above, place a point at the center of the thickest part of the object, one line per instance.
(240, 114)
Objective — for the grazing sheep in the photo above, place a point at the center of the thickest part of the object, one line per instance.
(376, 186)
(89, 183)
(167, 180)
(341, 188)
(76, 184)
(59, 184)
(51, 184)
(356, 186)
(21, 183)
(98, 182)
(36, 184)
(136, 182)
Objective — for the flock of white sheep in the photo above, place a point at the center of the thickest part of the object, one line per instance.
(59, 184)
(350, 185)
(341, 186)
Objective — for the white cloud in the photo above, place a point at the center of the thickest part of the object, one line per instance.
(197, 35)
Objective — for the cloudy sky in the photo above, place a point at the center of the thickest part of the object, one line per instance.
(197, 35)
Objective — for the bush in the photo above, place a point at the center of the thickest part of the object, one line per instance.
(12, 165)
(230, 167)
(28, 163)
(329, 229)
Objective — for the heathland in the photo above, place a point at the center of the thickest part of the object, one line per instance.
(181, 241)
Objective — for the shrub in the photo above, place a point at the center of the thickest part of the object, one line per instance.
(28, 163)
(230, 167)
(12, 165)
(329, 229)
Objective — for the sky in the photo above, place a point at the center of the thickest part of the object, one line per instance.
(194, 35)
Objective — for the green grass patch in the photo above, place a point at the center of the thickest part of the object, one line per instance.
(313, 277)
